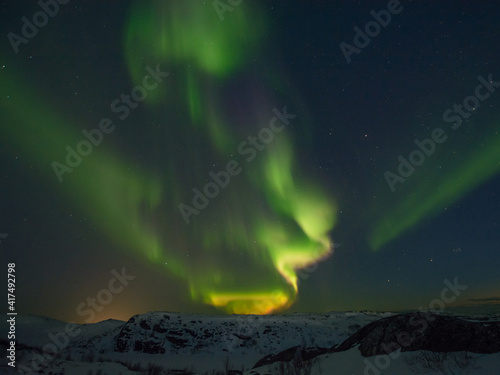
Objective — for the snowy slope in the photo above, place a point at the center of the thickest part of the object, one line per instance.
(173, 339)
(203, 343)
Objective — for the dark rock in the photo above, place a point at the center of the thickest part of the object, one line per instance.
(158, 328)
(179, 343)
(409, 332)
(289, 354)
(284, 356)
(424, 331)
(149, 347)
(242, 337)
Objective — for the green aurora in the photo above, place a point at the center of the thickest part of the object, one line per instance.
(241, 253)
(266, 221)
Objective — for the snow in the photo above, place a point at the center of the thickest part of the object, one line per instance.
(204, 343)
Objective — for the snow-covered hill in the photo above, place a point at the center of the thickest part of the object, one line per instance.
(203, 344)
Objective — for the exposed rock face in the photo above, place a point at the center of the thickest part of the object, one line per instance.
(289, 354)
(409, 332)
(149, 347)
(185, 334)
(425, 331)
(155, 332)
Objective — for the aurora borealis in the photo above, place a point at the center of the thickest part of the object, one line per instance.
(235, 162)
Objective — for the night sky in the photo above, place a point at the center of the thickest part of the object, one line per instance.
(265, 156)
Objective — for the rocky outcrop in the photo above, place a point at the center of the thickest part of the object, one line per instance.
(186, 334)
(141, 334)
(288, 355)
(425, 331)
(409, 332)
